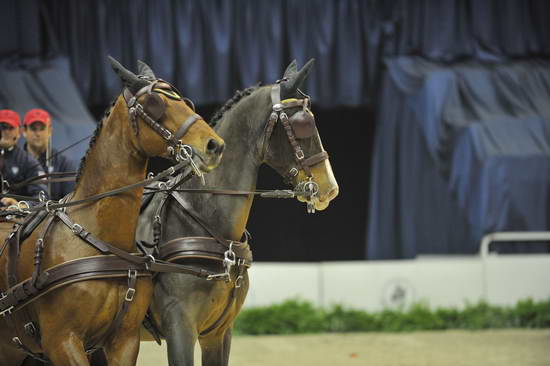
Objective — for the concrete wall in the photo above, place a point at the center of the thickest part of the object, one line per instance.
(375, 285)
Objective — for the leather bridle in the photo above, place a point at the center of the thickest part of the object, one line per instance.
(152, 112)
(303, 163)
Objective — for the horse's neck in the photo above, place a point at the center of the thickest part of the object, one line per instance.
(228, 215)
(112, 163)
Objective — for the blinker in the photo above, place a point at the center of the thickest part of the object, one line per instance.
(154, 106)
(303, 124)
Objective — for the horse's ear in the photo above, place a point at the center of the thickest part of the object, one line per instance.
(296, 80)
(290, 69)
(130, 80)
(145, 70)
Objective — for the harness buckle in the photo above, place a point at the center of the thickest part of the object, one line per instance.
(132, 274)
(130, 294)
(300, 154)
(31, 329)
(77, 229)
(293, 172)
(166, 134)
(8, 310)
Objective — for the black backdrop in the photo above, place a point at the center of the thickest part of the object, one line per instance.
(282, 230)
(209, 48)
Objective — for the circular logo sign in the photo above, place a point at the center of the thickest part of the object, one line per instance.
(398, 293)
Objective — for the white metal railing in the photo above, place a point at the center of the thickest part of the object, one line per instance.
(516, 236)
(506, 236)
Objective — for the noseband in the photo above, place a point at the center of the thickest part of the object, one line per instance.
(300, 125)
(154, 109)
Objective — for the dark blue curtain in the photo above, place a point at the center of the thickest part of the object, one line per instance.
(461, 151)
(209, 48)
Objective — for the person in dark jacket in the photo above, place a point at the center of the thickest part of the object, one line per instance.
(16, 165)
(37, 129)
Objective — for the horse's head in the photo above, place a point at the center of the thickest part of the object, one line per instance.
(164, 123)
(292, 145)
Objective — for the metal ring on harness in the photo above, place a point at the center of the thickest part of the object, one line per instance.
(48, 203)
(188, 156)
(312, 188)
(184, 153)
(151, 260)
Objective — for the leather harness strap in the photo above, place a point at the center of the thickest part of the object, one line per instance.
(86, 268)
(203, 247)
(49, 206)
(147, 263)
(186, 125)
(189, 210)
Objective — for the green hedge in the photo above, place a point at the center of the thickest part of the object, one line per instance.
(297, 316)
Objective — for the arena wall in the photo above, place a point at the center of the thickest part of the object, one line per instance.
(439, 281)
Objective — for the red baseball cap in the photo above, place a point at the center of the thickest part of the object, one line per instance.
(10, 117)
(37, 115)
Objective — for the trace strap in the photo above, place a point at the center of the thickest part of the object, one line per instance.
(50, 205)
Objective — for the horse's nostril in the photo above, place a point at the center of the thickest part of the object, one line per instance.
(333, 193)
(215, 147)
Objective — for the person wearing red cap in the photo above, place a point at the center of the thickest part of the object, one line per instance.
(16, 165)
(37, 129)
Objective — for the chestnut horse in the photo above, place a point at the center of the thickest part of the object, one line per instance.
(76, 317)
(187, 308)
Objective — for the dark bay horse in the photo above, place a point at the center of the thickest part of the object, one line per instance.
(71, 319)
(187, 308)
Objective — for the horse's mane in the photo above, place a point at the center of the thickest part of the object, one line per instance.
(93, 140)
(239, 94)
